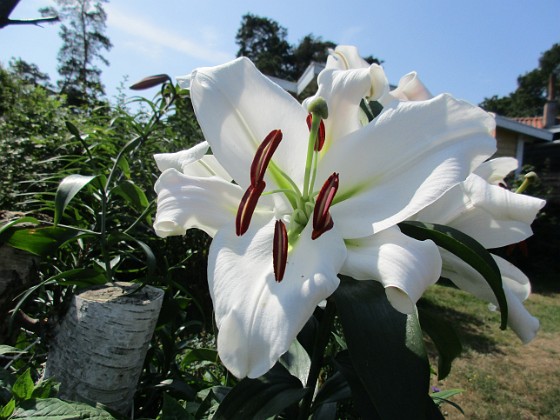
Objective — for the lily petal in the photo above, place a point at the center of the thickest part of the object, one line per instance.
(495, 170)
(185, 202)
(345, 57)
(405, 266)
(410, 88)
(516, 288)
(492, 215)
(193, 162)
(180, 160)
(343, 92)
(412, 153)
(237, 107)
(258, 318)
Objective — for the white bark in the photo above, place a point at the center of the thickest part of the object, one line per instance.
(99, 348)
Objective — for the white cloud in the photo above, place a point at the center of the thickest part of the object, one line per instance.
(151, 38)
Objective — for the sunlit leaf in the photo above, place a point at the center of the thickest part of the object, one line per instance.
(68, 188)
(23, 386)
(41, 241)
(55, 409)
(466, 248)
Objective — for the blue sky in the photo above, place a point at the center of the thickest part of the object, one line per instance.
(472, 49)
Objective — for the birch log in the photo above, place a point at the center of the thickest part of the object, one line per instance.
(99, 348)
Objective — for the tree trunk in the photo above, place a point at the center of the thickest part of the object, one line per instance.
(99, 349)
(18, 269)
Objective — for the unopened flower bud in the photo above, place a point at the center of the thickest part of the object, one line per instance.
(151, 81)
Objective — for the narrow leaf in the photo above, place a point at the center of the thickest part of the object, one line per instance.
(466, 248)
(68, 188)
(297, 361)
(5, 349)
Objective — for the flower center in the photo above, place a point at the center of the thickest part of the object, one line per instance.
(306, 203)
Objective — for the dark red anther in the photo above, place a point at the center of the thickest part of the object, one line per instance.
(263, 155)
(247, 207)
(280, 250)
(322, 220)
(320, 142)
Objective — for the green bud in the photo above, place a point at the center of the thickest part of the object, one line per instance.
(319, 106)
(530, 178)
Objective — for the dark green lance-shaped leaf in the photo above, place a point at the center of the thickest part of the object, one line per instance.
(334, 389)
(262, 397)
(73, 129)
(445, 338)
(81, 277)
(200, 355)
(173, 410)
(55, 409)
(67, 189)
(7, 229)
(386, 350)
(466, 248)
(23, 386)
(132, 194)
(41, 241)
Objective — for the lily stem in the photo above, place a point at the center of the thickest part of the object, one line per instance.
(321, 341)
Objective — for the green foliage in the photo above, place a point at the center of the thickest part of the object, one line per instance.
(83, 43)
(530, 96)
(264, 41)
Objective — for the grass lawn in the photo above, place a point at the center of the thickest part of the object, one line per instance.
(501, 377)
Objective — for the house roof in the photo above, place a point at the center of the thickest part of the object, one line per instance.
(513, 124)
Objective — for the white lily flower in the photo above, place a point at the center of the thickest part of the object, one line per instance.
(495, 217)
(279, 238)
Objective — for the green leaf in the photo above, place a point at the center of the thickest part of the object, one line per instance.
(6, 229)
(466, 248)
(8, 409)
(55, 409)
(81, 277)
(334, 389)
(297, 361)
(445, 338)
(67, 189)
(41, 241)
(262, 397)
(5, 349)
(173, 410)
(132, 194)
(386, 349)
(23, 386)
(199, 355)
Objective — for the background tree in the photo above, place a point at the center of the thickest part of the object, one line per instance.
(263, 40)
(83, 43)
(530, 96)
